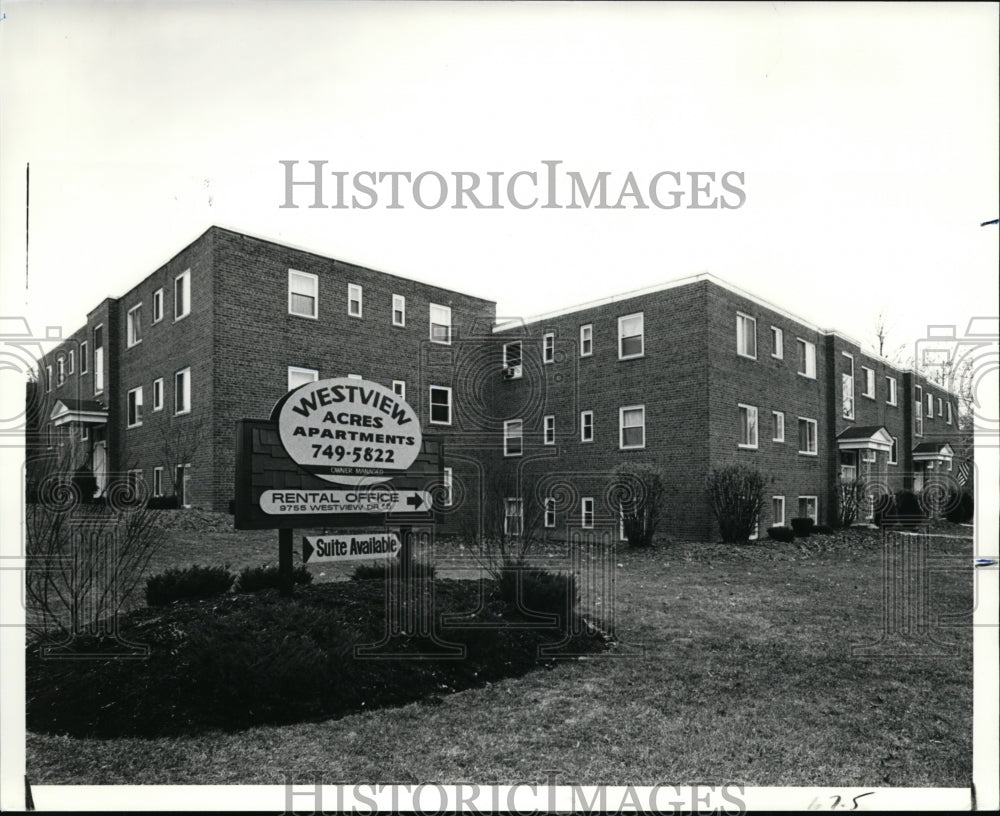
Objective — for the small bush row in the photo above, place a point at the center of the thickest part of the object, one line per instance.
(188, 583)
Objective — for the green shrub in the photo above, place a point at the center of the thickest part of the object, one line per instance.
(377, 571)
(960, 507)
(736, 493)
(781, 533)
(253, 579)
(553, 593)
(192, 582)
(803, 526)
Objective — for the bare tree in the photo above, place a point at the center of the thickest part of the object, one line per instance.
(894, 353)
(508, 526)
(179, 442)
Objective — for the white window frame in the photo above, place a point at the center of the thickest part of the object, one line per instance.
(300, 371)
(930, 406)
(815, 436)
(399, 305)
(513, 371)
(442, 312)
(774, 516)
(517, 503)
(948, 405)
(587, 340)
(185, 476)
(641, 335)
(158, 394)
(548, 348)
(745, 425)
(869, 377)
(815, 512)
(892, 398)
(157, 306)
(71, 362)
(778, 426)
(430, 404)
(940, 408)
(157, 482)
(60, 370)
(918, 413)
(549, 512)
(587, 513)
(84, 433)
(549, 429)
(449, 483)
(48, 377)
(84, 363)
(295, 279)
(99, 360)
(893, 455)
(183, 375)
(621, 427)
(399, 389)
(586, 423)
(847, 395)
(355, 294)
(133, 397)
(777, 343)
(808, 361)
(133, 326)
(185, 304)
(741, 335)
(509, 435)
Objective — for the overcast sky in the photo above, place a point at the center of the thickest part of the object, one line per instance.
(866, 136)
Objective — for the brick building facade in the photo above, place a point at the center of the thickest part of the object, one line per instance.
(536, 415)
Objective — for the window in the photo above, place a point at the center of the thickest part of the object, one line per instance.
(440, 323)
(940, 407)
(949, 413)
(847, 395)
(440, 405)
(746, 336)
(398, 310)
(891, 385)
(513, 441)
(918, 412)
(60, 370)
(550, 512)
(807, 436)
(778, 510)
(930, 406)
(182, 295)
(158, 394)
(134, 404)
(777, 343)
(71, 364)
(158, 309)
(134, 479)
(632, 427)
(182, 391)
(869, 376)
(894, 452)
(586, 426)
(549, 348)
(84, 362)
(586, 340)
(133, 326)
(399, 388)
(808, 508)
(158, 481)
(48, 378)
(778, 422)
(630, 336)
(512, 361)
(300, 376)
(587, 513)
(84, 433)
(807, 359)
(512, 516)
(182, 485)
(303, 294)
(98, 359)
(550, 430)
(747, 426)
(354, 304)
(449, 481)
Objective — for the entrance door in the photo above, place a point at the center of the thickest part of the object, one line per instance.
(918, 476)
(99, 465)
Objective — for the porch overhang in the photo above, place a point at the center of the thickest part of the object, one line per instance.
(866, 437)
(81, 412)
(933, 452)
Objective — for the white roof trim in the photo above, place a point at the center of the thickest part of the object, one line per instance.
(942, 455)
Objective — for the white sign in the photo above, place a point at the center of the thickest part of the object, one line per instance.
(349, 546)
(375, 499)
(349, 431)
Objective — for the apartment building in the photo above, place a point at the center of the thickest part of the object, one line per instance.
(537, 415)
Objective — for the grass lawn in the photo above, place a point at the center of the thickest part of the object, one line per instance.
(733, 665)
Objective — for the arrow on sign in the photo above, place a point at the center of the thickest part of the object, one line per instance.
(415, 501)
(307, 550)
